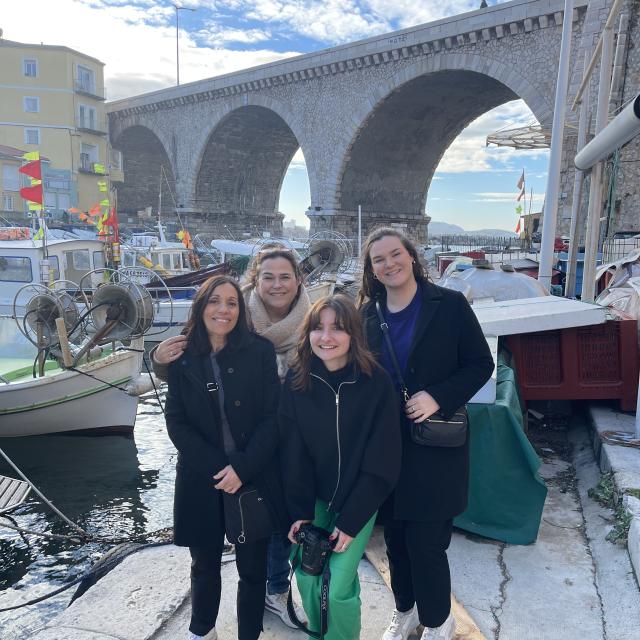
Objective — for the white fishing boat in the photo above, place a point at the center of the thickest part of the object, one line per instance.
(56, 256)
(88, 380)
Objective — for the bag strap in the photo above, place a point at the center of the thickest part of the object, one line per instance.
(385, 332)
(324, 601)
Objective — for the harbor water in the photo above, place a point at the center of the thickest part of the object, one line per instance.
(111, 485)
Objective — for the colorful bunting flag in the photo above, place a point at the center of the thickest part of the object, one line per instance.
(521, 181)
(95, 210)
(104, 203)
(32, 169)
(39, 234)
(518, 225)
(32, 155)
(73, 210)
(102, 186)
(32, 193)
(99, 168)
(519, 209)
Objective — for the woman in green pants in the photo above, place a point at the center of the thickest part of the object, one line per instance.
(340, 452)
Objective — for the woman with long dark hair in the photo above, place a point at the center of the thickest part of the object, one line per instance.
(442, 359)
(340, 443)
(221, 416)
(275, 303)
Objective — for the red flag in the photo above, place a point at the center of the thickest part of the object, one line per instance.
(95, 210)
(518, 225)
(32, 169)
(33, 194)
(521, 181)
(112, 221)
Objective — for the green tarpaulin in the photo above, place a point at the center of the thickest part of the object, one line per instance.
(506, 493)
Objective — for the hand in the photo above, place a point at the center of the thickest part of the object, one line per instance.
(229, 480)
(343, 542)
(170, 350)
(294, 529)
(420, 406)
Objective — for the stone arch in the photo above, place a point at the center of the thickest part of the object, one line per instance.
(416, 115)
(143, 156)
(238, 173)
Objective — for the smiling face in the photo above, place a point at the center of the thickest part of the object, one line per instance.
(329, 342)
(391, 263)
(277, 286)
(221, 312)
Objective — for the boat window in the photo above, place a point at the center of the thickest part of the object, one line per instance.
(81, 260)
(98, 260)
(13, 269)
(166, 260)
(177, 262)
(54, 265)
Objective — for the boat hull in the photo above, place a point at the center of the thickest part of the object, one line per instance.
(72, 400)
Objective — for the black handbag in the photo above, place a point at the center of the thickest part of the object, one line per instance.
(247, 517)
(436, 430)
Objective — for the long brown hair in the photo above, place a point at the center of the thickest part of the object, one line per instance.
(347, 319)
(371, 287)
(195, 330)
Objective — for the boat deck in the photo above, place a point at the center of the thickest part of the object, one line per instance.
(14, 369)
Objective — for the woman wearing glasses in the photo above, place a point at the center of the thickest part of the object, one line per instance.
(276, 303)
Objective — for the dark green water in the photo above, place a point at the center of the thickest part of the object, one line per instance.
(109, 485)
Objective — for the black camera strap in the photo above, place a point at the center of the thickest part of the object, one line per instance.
(392, 352)
(324, 602)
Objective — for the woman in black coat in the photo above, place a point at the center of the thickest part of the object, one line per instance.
(221, 416)
(444, 359)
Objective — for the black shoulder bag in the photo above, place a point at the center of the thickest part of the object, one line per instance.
(247, 517)
(436, 430)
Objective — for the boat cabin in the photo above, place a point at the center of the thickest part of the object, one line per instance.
(70, 258)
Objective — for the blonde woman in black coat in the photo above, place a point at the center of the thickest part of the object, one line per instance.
(444, 359)
(221, 416)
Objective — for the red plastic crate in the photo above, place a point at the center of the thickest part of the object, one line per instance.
(584, 363)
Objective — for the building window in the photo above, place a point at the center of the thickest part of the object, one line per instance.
(31, 104)
(30, 67)
(31, 136)
(87, 117)
(10, 178)
(88, 156)
(49, 200)
(86, 80)
(63, 201)
(7, 203)
(15, 269)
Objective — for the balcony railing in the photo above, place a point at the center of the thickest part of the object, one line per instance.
(89, 167)
(92, 125)
(87, 89)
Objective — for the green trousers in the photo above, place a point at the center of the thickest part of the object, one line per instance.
(344, 588)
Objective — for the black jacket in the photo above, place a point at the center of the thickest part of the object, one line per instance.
(340, 445)
(251, 393)
(450, 359)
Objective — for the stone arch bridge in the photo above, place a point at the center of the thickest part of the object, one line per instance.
(373, 119)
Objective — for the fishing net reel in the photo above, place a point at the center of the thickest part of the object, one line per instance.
(328, 255)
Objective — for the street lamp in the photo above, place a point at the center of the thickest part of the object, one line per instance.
(178, 9)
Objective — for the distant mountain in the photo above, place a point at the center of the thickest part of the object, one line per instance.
(437, 228)
(444, 228)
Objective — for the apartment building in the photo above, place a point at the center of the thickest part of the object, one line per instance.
(52, 101)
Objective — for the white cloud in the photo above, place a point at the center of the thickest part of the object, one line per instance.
(137, 41)
(500, 196)
(469, 153)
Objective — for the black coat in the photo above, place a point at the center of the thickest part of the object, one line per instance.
(251, 393)
(341, 444)
(450, 359)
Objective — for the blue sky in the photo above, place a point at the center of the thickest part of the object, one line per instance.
(474, 186)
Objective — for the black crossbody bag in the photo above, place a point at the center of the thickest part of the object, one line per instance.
(436, 430)
(247, 517)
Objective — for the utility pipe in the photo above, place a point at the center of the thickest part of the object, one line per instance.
(595, 192)
(550, 215)
(575, 228)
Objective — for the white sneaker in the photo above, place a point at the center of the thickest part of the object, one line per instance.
(402, 624)
(446, 631)
(212, 635)
(277, 604)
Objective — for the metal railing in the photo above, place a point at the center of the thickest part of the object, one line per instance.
(616, 248)
(88, 89)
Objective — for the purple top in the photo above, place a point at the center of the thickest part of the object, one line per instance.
(401, 328)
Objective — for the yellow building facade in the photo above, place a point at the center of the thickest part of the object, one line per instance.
(52, 101)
